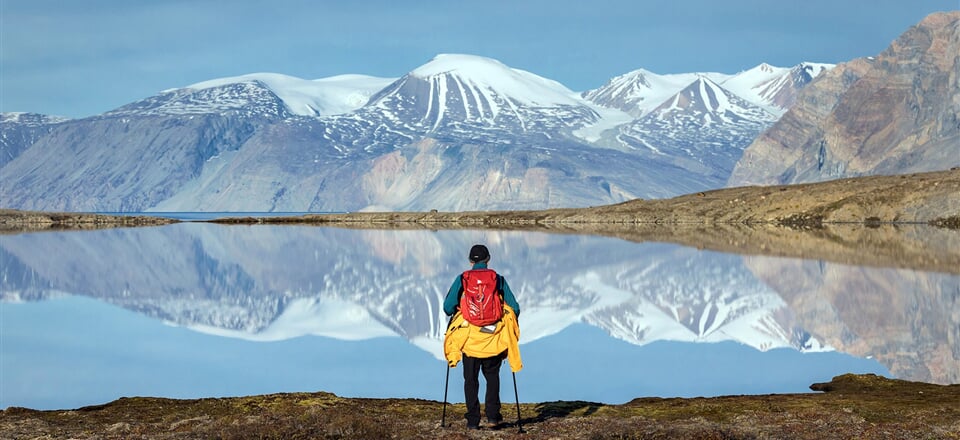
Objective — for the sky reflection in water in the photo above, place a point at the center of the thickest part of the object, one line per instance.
(197, 310)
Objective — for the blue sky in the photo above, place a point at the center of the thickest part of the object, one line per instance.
(81, 58)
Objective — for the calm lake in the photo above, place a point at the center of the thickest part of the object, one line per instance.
(202, 310)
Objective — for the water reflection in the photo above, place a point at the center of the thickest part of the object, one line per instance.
(609, 320)
(908, 320)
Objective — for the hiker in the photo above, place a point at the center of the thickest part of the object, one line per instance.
(483, 331)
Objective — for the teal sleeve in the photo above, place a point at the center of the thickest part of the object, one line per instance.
(452, 301)
(508, 296)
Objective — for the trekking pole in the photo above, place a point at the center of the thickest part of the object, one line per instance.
(443, 418)
(517, 396)
(446, 385)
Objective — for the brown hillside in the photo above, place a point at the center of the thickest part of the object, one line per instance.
(890, 114)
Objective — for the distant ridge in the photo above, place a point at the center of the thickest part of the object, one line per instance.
(898, 112)
(460, 132)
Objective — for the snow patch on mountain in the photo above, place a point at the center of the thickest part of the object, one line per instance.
(709, 103)
(774, 88)
(486, 76)
(609, 119)
(320, 97)
(747, 82)
(30, 119)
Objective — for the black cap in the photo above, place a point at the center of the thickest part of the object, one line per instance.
(479, 253)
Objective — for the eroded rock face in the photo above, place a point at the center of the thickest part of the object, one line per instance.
(895, 113)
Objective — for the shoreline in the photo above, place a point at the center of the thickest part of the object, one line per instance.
(931, 198)
(909, 221)
(14, 221)
(849, 406)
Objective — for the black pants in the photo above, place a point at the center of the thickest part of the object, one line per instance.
(471, 386)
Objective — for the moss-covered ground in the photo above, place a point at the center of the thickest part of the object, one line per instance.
(848, 407)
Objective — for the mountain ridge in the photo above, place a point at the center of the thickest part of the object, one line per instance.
(459, 132)
(897, 112)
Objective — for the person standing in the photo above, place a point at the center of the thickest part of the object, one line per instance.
(485, 336)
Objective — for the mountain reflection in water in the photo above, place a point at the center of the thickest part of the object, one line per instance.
(602, 319)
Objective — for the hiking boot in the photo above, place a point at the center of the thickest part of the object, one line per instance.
(472, 426)
(491, 423)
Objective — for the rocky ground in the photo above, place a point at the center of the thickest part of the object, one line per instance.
(848, 407)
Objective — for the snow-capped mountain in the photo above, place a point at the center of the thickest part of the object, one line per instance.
(241, 99)
(704, 103)
(703, 127)
(460, 132)
(774, 88)
(769, 87)
(640, 91)
(458, 90)
(263, 94)
(320, 97)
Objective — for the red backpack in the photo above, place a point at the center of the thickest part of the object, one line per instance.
(481, 303)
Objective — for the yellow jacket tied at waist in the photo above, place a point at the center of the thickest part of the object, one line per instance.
(479, 342)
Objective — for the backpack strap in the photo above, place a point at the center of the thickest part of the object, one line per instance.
(463, 275)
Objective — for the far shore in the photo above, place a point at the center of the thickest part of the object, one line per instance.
(905, 221)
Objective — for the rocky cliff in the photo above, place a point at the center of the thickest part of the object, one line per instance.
(898, 112)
